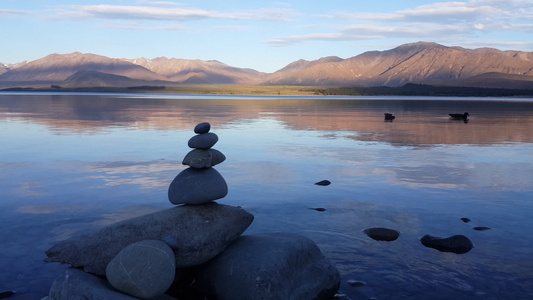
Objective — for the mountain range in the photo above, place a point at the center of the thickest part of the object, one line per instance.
(420, 63)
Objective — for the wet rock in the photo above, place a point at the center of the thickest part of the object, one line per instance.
(382, 234)
(355, 283)
(144, 269)
(269, 266)
(6, 294)
(323, 182)
(202, 128)
(466, 220)
(457, 244)
(481, 228)
(197, 186)
(196, 233)
(76, 284)
(203, 141)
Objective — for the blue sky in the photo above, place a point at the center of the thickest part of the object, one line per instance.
(262, 35)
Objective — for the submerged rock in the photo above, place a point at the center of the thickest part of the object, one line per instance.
(269, 266)
(196, 233)
(145, 269)
(382, 234)
(459, 244)
(481, 228)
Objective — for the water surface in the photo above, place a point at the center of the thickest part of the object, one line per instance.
(71, 162)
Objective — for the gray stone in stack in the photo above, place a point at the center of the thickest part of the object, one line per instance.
(200, 183)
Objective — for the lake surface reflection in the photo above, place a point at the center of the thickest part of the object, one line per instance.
(71, 162)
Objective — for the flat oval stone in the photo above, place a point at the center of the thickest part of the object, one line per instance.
(198, 158)
(144, 269)
(457, 244)
(382, 234)
(197, 186)
(203, 141)
(202, 128)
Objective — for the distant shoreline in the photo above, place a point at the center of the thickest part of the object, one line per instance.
(287, 90)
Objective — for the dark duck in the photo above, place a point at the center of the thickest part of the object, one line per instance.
(463, 117)
(389, 117)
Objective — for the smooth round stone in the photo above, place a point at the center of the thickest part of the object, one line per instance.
(200, 158)
(203, 141)
(202, 128)
(382, 234)
(197, 186)
(145, 269)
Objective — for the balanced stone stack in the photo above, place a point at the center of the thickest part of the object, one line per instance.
(195, 248)
(200, 183)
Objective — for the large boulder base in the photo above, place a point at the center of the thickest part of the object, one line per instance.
(76, 284)
(145, 269)
(269, 266)
(196, 233)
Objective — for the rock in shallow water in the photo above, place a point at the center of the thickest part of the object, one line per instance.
(197, 186)
(196, 233)
(323, 182)
(144, 269)
(270, 266)
(382, 234)
(457, 244)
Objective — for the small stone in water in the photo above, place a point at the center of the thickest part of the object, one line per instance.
(382, 234)
(319, 209)
(355, 283)
(323, 182)
(481, 228)
(466, 220)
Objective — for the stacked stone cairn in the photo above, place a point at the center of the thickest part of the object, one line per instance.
(194, 250)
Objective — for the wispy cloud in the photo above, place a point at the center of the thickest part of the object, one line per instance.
(11, 12)
(158, 12)
(441, 19)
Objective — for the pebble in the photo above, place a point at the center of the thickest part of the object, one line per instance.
(202, 128)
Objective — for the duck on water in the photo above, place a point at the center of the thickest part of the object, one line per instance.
(463, 117)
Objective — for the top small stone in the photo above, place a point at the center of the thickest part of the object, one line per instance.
(202, 128)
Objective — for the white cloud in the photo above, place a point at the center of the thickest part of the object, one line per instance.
(444, 20)
(11, 12)
(156, 12)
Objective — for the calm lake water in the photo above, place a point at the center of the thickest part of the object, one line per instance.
(71, 162)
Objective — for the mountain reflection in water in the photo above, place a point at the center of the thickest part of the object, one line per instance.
(73, 162)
